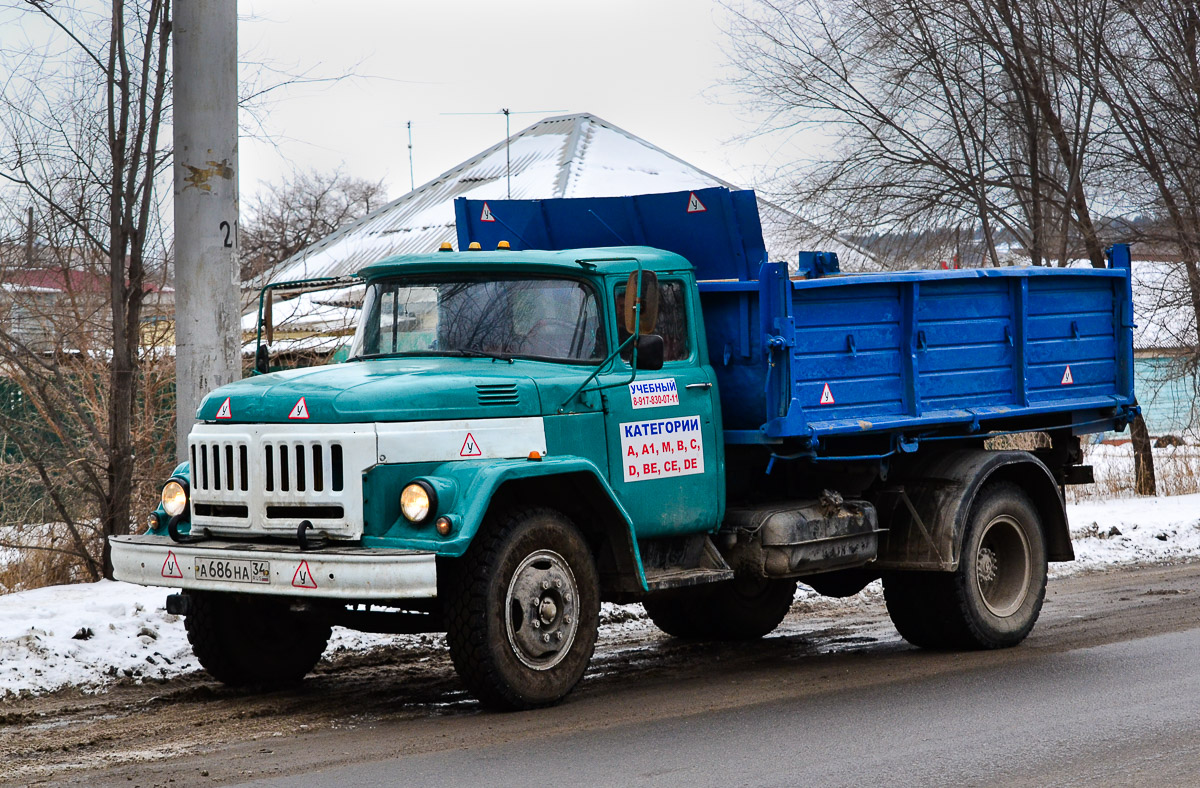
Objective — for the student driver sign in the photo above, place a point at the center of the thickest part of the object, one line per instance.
(662, 448)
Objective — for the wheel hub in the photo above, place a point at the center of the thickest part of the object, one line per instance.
(542, 610)
(987, 565)
(1003, 566)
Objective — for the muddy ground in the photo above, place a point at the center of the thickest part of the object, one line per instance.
(392, 701)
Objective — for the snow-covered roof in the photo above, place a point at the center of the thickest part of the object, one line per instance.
(568, 156)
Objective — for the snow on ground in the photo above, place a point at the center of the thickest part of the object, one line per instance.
(1133, 530)
(91, 635)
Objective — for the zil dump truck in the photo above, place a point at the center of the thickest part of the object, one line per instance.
(623, 399)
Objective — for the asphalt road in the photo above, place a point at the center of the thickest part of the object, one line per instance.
(1123, 713)
(1106, 691)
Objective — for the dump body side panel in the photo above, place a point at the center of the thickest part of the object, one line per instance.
(920, 353)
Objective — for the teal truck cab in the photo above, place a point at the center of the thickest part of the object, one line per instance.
(518, 434)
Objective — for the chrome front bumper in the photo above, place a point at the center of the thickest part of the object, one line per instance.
(349, 573)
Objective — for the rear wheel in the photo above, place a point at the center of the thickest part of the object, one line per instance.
(246, 640)
(523, 608)
(995, 596)
(745, 608)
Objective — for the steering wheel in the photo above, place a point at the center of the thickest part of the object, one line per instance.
(549, 336)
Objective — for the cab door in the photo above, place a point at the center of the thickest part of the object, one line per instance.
(666, 457)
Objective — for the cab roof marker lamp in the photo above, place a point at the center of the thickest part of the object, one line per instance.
(503, 245)
(446, 247)
(474, 247)
(633, 337)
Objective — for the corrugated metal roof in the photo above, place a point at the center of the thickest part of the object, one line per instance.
(568, 156)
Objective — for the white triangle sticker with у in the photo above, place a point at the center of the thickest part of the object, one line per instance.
(300, 410)
(225, 411)
(486, 214)
(694, 204)
(827, 396)
(1067, 378)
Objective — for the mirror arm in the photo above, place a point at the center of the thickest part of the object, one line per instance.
(600, 368)
(637, 329)
(315, 283)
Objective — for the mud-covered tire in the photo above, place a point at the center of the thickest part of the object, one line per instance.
(745, 608)
(244, 640)
(919, 606)
(522, 609)
(995, 596)
(678, 613)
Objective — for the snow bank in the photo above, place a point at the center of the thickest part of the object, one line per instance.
(91, 635)
(88, 635)
(1133, 530)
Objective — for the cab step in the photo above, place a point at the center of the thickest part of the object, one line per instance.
(681, 562)
(662, 580)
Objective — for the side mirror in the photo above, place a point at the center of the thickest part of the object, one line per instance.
(649, 291)
(650, 352)
(262, 360)
(268, 318)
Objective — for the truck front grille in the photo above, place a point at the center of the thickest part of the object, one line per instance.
(268, 478)
(220, 466)
(299, 467)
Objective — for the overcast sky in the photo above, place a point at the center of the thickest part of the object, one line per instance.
(651, 67)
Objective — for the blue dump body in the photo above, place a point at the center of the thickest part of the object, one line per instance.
(834, 365)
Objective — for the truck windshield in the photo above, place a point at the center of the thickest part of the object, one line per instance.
(552, 319)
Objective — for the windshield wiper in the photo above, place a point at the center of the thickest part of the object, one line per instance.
(477, 354)
(468, 352)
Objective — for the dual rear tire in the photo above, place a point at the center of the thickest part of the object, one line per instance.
(994, 597)
(745, 608)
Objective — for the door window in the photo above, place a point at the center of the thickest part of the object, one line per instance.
(672, 320)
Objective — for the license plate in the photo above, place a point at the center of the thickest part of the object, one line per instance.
(233, 570)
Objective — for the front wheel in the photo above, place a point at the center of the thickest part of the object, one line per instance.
(995, 596)
(523, 608)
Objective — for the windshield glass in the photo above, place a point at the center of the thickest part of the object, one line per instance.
(556, 319)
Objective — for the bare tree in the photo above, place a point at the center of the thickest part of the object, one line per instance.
(289, 216)
(979, 113)
(84, 105)
(1150, 81)
(950, 115)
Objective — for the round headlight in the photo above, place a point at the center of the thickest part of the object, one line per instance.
(417, 501)
(174, 498)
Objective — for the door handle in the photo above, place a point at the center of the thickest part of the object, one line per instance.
(698, 386)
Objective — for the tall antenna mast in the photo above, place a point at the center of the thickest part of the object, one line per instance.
(412, 182)
(506, 112)
(507, 152)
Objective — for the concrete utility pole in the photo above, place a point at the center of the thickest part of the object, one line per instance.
(207, 296)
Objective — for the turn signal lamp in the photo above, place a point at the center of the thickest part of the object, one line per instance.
(445, 247)
(474, 247)
(443, 526)
(503, 245)
(535, 455)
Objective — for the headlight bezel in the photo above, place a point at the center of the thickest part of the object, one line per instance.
(430, 502)
(186, 491)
